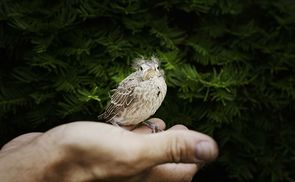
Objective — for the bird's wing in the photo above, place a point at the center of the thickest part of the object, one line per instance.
(122, 97)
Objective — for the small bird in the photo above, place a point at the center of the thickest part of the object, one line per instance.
(138, 96)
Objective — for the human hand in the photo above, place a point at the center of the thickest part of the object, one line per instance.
(89, 151)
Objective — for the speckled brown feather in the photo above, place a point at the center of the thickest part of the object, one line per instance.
(136, 99)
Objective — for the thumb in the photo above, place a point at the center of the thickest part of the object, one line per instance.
(178, 146)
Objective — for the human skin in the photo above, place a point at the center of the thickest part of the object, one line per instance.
(91, 151)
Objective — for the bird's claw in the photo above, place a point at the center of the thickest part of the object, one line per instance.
(155, 128)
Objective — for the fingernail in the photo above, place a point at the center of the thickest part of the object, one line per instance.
(205, 151)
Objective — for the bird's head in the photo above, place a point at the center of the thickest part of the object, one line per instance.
(148, 69)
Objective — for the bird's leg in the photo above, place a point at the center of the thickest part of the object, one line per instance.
(152, 126)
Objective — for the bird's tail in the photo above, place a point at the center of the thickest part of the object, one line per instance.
(101, 117)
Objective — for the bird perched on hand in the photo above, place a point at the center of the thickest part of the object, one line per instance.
(138, 96)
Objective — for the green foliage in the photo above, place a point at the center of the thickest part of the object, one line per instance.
(229, 66)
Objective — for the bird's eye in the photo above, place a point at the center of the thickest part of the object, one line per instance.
(157, 67)
(141, 68)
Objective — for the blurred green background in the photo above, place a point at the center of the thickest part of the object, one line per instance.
(229, 67)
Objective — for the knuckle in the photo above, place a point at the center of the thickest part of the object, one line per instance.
(180, 127)
(176, 149)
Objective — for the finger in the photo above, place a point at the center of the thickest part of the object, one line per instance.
(178, 146)
(178, 127)
(172, 172)
(145, 130)
(20, 141)
(129, 127)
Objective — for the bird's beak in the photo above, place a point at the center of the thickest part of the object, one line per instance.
(150, 73)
